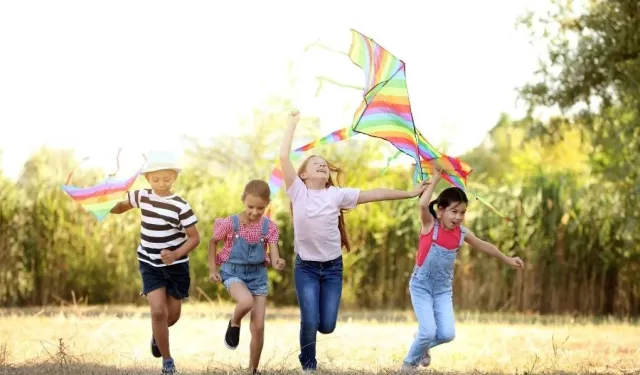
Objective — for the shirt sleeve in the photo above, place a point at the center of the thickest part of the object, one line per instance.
(296, 188)
(272, 233)
(221, 228)
(348, 197)
(187, 216)
(134, 198)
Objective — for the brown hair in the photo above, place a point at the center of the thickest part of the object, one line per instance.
(344, 240)
(258, 188)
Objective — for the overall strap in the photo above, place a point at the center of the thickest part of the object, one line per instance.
(265, 227)
(463, 230)
(236, 223)
(435, 231)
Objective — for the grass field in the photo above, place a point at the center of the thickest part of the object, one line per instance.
(115, 340)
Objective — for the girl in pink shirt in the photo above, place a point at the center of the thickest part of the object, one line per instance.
(441, 236)
(319, 234)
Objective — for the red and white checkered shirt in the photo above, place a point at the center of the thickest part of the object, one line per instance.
(252, 232)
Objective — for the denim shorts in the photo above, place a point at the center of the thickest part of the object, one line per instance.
(253, 276)
(175, 278)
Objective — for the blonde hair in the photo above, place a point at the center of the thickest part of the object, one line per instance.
(344, 239)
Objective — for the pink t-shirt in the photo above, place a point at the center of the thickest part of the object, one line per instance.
(315, 219)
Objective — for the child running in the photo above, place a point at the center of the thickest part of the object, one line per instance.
(430, 286)
(319, 234)
(243, 262)
(168, 234)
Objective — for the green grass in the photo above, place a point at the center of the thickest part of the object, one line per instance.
(115, 339)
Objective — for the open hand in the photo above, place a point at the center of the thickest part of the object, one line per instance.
(168, 256)
(214, 277)
(515, 262)
(294, 117)
(279, 264)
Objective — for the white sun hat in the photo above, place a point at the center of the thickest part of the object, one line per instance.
(159, 160)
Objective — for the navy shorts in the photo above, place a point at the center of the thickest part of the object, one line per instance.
(175, 278)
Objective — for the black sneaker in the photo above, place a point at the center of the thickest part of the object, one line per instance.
(256, 372)
(154, 348)
(232, 337)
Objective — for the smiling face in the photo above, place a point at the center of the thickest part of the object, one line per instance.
(452, 215)
(254, 207)
(316, 169)
(161, 181)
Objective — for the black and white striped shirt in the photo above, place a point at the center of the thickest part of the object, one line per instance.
(163, 223)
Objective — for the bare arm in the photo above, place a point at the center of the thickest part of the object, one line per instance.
(383, 194)
(193, 240)
(121, 207)
(425, 216)
(285, 149)
(213, 267)
(274, 252)
(487, 248)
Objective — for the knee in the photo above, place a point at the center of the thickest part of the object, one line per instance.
(173, 317)
(446, 335)
(309, 324)
(327, 327)
(245, 304)
(257, 328)
(159, 314)
(426, 334)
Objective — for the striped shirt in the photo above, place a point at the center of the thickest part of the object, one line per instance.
(163, 223)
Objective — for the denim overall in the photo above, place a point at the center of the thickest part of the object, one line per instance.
(246, 261)
(431, 288)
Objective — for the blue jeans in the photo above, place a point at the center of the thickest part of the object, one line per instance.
(318, 288)
(432, 298)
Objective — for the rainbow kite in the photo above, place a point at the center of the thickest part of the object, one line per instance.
(385, 113)
(101, 198)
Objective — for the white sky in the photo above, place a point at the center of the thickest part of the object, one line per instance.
(95, 76)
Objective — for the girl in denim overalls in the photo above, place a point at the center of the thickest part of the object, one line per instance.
(441, 236)
(243, 262)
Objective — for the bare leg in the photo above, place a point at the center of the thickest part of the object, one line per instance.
(257, 330)
(159, 320)
(244, 302)
(174, 308)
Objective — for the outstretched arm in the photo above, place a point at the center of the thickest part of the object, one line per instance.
(285, 149)
(121, 207)
(382, 194)
(491, 250)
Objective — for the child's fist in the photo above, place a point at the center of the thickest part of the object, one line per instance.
(279, 264)
(294, 116)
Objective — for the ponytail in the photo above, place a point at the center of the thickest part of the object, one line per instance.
(431, 210)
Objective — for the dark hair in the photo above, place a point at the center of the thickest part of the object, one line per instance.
(344, 239)
(448, 197)
(258, 188)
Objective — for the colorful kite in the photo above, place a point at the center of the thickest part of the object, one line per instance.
(385, 113)
(101, 198)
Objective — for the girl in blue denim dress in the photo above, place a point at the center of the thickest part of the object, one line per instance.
(242, 264)
(441, 236)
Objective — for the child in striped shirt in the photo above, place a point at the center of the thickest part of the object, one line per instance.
(167, 235)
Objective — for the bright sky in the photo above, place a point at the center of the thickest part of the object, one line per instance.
(95, 76)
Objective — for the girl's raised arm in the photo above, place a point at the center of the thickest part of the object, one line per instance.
(285, 148)
(425, 216)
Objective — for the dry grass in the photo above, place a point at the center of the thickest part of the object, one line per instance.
(116, 341)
